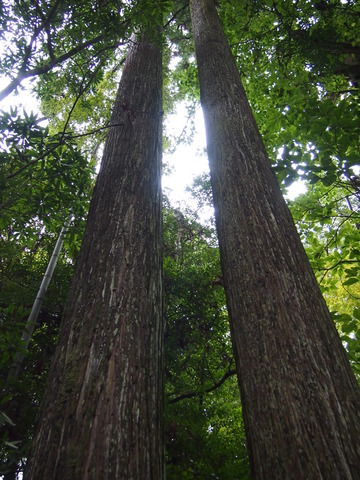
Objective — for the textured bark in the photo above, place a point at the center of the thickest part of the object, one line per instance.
(103, 408)
(301, 402)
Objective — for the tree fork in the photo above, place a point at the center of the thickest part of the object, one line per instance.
(301, 401)
(103, 406)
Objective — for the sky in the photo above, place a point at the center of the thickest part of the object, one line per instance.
(189, 161)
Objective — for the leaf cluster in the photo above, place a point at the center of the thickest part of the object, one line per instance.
(329, 223)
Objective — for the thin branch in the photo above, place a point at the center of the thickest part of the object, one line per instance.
(333, 238)
(96, 130)
(192, 394)
(182, 136)
(64, 135)
(32, 162)
(37, 31)
(46, 26)
(311, 207)
(340, 262)
(175, 14)
(82, 90)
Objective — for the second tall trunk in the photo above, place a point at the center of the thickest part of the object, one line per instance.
(301, 402)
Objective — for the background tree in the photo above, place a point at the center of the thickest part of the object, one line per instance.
(203, 414)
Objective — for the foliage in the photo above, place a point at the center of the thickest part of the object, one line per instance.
(204, 428)
(42, 175)
(328, 221)
(291, 56)
(20, 278)
(43, 178)
(56, 33)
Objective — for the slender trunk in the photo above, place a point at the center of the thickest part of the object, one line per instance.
(103, 407)
(301, 402)
(31, 321)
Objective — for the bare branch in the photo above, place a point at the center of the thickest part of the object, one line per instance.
(176, 14)
(216, 385)
(96, 130)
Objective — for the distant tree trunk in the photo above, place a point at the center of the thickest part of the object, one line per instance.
(34, 314)
(301, 402)
(103, 407)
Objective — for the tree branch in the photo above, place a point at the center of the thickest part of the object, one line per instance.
(176, 14)
(37, 31)
(32, 162)
(48, 66)
(64, 135)
(216, 385)
(96, 130)
(46, 26)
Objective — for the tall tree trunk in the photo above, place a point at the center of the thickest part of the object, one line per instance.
(301, 402)
(103, 408)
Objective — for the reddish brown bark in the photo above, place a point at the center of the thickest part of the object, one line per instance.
(301, 402)
(103, 408)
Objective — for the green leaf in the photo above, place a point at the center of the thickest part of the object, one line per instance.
(350, 281)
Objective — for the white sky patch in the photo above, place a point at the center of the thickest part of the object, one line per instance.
(296, 188)
(23, 98)
(188, 160)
